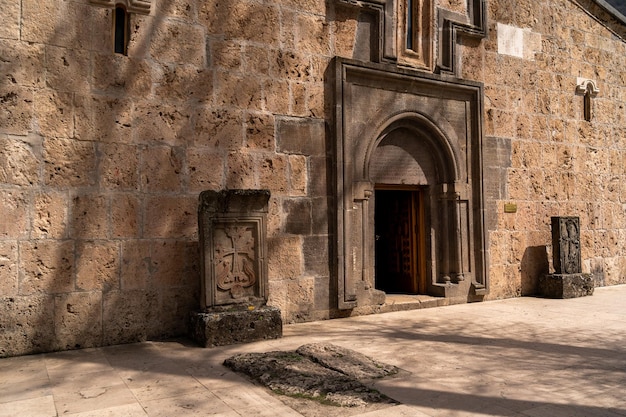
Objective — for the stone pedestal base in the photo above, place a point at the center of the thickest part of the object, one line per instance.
(237, 324)
(565, 285)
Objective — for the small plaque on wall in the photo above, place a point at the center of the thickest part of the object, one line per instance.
(510, 208)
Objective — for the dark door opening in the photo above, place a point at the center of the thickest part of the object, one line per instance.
(399, 240)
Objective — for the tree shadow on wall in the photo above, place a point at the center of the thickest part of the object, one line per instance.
(534, 264)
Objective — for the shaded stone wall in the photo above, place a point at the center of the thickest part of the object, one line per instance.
(103, 156)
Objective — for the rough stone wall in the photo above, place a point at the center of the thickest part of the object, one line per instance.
(540, 153)
(103, 155)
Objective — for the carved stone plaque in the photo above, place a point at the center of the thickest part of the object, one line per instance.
(566, 245)
(232, 242)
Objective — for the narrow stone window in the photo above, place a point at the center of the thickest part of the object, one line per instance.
(121, 28)
(409, 25)
(587, 106)
(588, 89)
(414, 34)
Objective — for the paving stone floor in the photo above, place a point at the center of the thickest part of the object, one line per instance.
(525, 357)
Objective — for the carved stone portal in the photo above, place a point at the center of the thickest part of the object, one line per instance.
(232, 241)
(399, 128)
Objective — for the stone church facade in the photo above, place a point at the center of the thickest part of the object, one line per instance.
(414, 152)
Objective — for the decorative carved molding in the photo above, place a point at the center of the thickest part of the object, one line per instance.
(584, 85)
(450, 26)
(132, 6)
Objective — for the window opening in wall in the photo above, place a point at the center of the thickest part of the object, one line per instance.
(587, 106)
(121, 28)
(409, 25)
(414, 33)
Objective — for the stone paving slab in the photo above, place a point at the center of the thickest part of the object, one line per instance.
(523, 357)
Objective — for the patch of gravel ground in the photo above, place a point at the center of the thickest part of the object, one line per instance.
(319, 379)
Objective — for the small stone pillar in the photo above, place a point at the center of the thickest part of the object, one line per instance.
(233, 254)
(568, 281)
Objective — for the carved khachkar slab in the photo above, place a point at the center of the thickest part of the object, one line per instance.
(232, 244)
(566, 245)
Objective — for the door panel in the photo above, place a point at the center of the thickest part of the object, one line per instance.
(397, 240)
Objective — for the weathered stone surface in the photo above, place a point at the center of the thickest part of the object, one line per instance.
(22, 64)
(228, 325)
(346, 361)
(301, 136)
(565, 285)
(19, 161)
(185, 82)
(171, 263)
(285, 258)
(26, 324)
(162, 168)
(129, 316)
(8, 269)
(168, 216)
(65, 69)
(205, 168)
(323, 372)
(118, 165)
(274, 174)
(136, 264)
(119, 74)
(10, 16)
(97, 266)
(78, 320)
(222, 129)
(160, 123)
(89, 216)
(46, 267)
(189, 40)
(50, 216)
(14, 205)
(69, 163)
(16, 112)
(125, 215)
(103, 119)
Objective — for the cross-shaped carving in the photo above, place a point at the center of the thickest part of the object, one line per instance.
(234, 256)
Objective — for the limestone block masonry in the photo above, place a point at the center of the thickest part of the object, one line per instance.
(457, 108)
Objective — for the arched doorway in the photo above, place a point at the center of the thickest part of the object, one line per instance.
(408, 169)
(405, 166)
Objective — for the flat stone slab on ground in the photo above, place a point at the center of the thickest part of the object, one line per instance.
(323, 372)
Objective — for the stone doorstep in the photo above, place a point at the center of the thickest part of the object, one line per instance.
(565, 285)
(238, 325)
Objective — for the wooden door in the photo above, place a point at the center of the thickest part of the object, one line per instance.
(398, 228)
